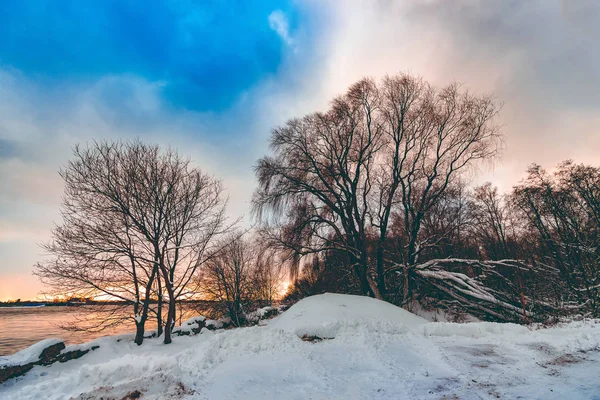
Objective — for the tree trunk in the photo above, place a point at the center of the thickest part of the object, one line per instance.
(139, 332)
(159, 321)
(374, 289)
(406, 290)
(380, 272)
(169, 323)
(171, 312)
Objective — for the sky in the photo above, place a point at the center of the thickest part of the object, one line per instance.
(213, 77)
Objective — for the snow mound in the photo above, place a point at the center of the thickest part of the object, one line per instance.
(327, 315)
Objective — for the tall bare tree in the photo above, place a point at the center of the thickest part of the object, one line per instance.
(137, 221)
(319, 180)
(336, 179)
(447, 131)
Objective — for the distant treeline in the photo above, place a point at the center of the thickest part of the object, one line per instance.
(87, 302)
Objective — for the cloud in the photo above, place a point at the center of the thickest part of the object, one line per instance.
(539, 58)
(38, 130)
(279, 23)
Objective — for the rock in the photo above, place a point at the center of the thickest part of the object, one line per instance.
(192, 326)
(313, 339)
(49, 354)
(73, 355)
(136, 394)
(213, 325)
(14, 371)
(262, 314)
(226, 322)
(269, 313)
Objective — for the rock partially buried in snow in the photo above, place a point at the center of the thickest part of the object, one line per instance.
(45, 352)
(326, 315)
(199, 325)
(192, 326)
(262, 314)
(213, 324)
(34, 353)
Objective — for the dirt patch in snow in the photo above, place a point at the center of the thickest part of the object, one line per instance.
(566, 359)
(314, 339)
(157, 387)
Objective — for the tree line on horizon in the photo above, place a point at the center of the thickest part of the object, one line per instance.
(371, 196)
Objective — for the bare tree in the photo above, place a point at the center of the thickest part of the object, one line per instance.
(240, 275)
(268, 276)
(448, 131)
(227, 277)
(336, 179)
(564, 211)
(136, 221)
(491, 225)
(319, 180)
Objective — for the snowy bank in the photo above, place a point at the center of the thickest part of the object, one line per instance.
(374, 351)
(31, 354)
(45, 352)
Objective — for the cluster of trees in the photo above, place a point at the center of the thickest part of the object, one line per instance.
(560, 231)
(138, 226)
(242, 276)
(370, 197)
(534, 251)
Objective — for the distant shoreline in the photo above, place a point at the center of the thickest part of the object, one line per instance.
(30, 304)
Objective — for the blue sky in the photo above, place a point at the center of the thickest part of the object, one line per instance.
(206, 52)
(212, 78)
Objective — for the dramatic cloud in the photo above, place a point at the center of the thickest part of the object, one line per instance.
(540, 58)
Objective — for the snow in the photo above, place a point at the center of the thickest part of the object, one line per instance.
(28, 355)
(214, 324)
(191, 324)
(327, 315)
(372, 350)
(474, 330)
(261, 313)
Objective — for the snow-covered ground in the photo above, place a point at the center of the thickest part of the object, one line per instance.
(369, 350)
